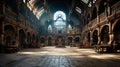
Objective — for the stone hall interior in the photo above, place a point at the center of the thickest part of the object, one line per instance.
(59, 33)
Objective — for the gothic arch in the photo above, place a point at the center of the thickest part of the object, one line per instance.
(95, 37)
(10, 35)
(70, 39)
(115, 22)
(42, 40)
(77, 39)
(104, 34)
(116, 31)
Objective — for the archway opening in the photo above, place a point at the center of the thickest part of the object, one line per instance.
(104, 36)
(77, 40)
(117, 32)
(70, 40)
(95, 38)
(10, 35)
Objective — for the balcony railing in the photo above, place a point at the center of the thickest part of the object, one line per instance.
(115, 8)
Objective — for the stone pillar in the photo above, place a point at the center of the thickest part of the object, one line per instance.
(91, 39)
(99, 40)
(108, 9)
(111, 35)
(98, 19)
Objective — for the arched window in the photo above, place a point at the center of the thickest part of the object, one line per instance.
(69, 28)
(49, 29)
(59, 20)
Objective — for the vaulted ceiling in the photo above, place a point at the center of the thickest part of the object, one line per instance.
(51, 6)
(45, 9)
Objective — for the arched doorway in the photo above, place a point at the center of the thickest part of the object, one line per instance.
(70, 40)
(22, 37)
(77, 40)
(116, 31)
(10, 35)
(49, 41)
(42, 41)
(95, 38)
(104, 36)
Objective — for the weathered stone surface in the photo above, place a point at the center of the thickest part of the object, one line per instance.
(59, 57)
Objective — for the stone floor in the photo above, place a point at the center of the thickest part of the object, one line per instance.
(59, 57)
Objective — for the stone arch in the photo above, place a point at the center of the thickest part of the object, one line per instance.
(42, 40)
(9, 35)
(22, 39)
(115, 22)
(116, 31)
(70, 40)
(77, 39)
(95, 37)
(104, 34)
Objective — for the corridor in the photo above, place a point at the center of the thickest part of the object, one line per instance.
(59, 57)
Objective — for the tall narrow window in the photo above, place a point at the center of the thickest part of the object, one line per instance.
(69, 28)
(49, 29)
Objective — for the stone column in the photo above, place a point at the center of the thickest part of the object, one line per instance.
(111, 35)
(91, 39)
(108, 9)
(99, 40)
